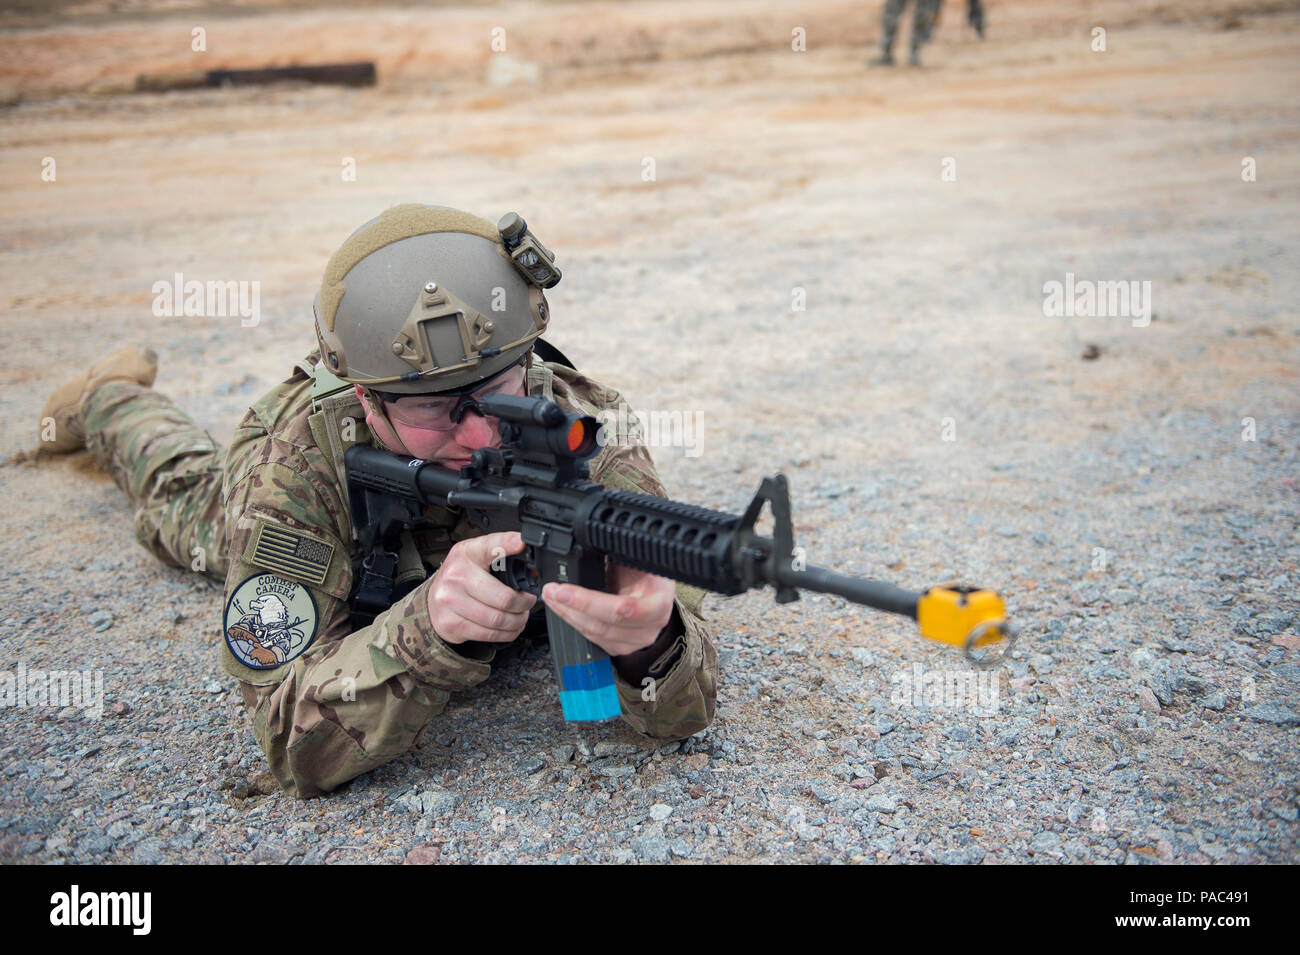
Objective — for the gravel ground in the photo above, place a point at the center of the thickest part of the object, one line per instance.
(1138, 508)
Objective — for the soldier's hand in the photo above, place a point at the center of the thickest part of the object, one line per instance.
(622, 622)
(467, 603)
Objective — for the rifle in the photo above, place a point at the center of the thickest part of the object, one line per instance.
(537, 483)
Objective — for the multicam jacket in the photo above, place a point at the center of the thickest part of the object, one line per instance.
(352, 699)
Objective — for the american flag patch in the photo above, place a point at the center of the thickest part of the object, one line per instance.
(291, 554)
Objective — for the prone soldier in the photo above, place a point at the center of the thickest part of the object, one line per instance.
(422, 311)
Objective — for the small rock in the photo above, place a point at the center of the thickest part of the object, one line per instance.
(862, 656)
(1265, 624)
(119, 830)
(808, 833)
(266, 854)
(1193, 686)
(1122, 596)
(1147, 700)
(970, 855)
(696, 762)
(423, 855)
(1042, 663)
(562, 754)
(119, 709)
(1046, 841)
(1157, 678)
(529, 765)
(824, 794)
(882, 803)
(660, 811)
(149, 852)
(612, 767)
(604, 749)
(1287, 671)
(95, 845)
(652, 847)
(213, 687)
(1273, 713)
(433, 802)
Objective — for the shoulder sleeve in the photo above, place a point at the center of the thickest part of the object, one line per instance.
(327, 703)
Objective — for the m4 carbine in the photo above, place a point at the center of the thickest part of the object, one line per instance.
(537, 483)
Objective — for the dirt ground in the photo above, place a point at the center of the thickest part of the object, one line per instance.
(919, 211)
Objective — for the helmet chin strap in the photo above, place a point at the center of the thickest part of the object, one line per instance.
(379, 424)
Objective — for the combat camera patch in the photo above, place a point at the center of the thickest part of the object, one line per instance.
(269, 621)
(290, 553)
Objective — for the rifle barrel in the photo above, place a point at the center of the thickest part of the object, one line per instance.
(871, 593)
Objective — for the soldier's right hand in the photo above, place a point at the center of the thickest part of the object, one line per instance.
(467, 603)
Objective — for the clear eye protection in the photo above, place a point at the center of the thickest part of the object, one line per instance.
(446, 410)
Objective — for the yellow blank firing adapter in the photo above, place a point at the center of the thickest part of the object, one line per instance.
(968, 618)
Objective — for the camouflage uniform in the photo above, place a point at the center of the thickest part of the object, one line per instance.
(924, 15)
(274, 506)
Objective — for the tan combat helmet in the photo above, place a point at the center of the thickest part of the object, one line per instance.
(425, 298)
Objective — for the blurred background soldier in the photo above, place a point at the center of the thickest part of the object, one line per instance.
(924, 16)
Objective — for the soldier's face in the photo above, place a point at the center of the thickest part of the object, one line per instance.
(450, 448)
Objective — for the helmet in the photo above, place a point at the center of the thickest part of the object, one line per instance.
(424, 299)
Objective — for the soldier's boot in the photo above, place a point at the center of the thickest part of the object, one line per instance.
(914, 58)
(886, 58)
(61, 426)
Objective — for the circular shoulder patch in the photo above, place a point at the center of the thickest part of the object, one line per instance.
(269, 621)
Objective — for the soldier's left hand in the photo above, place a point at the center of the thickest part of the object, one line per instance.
(624, 621)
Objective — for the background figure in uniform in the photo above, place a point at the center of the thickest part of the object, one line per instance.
(924, 16)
